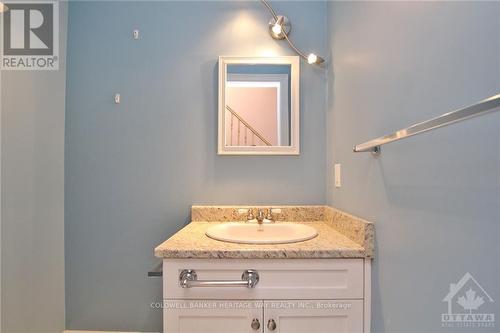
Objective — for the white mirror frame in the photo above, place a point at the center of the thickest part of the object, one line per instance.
(294, 148)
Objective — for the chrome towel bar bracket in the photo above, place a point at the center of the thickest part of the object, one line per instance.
(189, 279)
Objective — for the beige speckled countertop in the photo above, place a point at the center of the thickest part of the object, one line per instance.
(340, 235)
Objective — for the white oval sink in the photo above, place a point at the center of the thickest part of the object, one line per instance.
(278, 233)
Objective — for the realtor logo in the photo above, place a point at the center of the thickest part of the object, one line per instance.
(466, 301)
(30, 35)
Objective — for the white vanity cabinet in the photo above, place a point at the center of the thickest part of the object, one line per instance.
(206, 316)
(291, 295)
(314, 316)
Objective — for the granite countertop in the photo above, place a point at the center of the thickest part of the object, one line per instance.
(339, 236)
(191, 242)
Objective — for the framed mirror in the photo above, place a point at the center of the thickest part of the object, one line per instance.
(259, 105)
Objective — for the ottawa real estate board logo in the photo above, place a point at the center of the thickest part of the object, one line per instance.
(30, 35)
(468, 305)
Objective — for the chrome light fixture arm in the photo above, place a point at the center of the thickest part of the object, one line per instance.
(295, 48)
(271, 10)
(279, 28)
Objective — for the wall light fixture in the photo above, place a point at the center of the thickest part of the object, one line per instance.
(279, 29)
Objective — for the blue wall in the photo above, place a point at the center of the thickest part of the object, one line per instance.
(435, 198)
(134, 169)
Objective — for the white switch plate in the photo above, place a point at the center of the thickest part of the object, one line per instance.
(338, 182)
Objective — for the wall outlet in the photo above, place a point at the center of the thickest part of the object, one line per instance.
(338, 181)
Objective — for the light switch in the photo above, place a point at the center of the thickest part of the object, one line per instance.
(338, 182)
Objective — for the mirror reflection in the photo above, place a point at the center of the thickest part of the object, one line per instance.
(257, 105)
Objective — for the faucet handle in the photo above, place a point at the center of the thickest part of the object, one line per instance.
(250, 215)
(269, 214)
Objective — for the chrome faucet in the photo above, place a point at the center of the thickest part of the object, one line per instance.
(260, 216)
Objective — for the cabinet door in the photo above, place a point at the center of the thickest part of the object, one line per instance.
(318, 316)
(210, 316)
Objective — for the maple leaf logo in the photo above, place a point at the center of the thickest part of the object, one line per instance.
(470, 301)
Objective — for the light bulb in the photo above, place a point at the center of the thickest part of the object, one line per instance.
(3, 7)
(312, 58)
(277, 29)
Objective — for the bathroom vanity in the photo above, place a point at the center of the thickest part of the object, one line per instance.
(318, 285)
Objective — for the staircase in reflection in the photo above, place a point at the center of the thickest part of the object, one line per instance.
(246, 135)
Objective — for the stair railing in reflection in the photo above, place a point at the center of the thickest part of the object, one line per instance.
(238, 119)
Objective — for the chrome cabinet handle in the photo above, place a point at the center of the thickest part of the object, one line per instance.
(271, 325)
(189, 279)
(255, 324)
